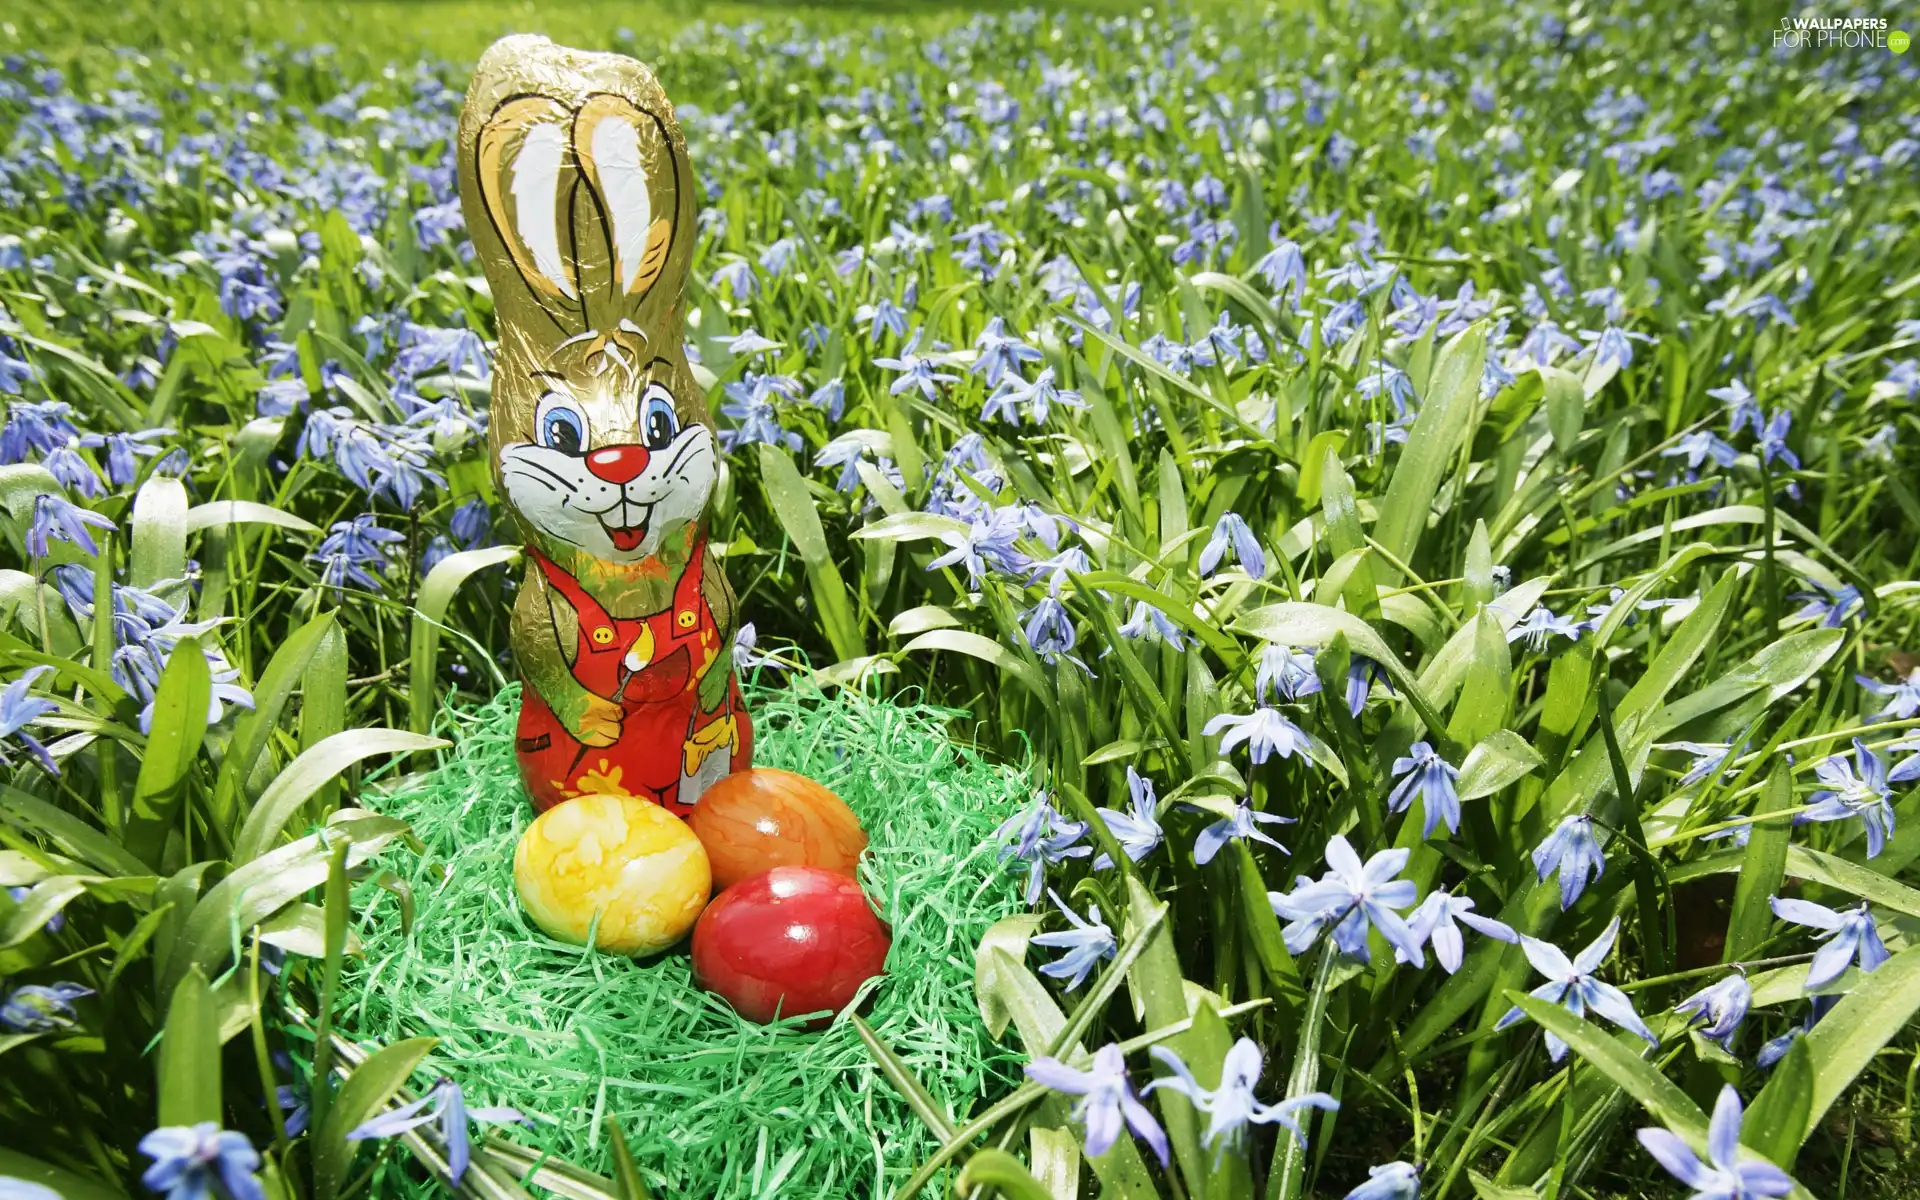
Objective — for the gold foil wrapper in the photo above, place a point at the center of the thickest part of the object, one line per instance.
(580, 202)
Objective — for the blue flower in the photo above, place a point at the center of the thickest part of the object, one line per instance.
(1832, 610)
(748, 343)
(15, 372)
(1352, 897)
(35, 429)
(1086, 944)
(1572, 986)
(446, 1106)
(1056, 569)
(1138, 832)
(1433, 924)
(1740, 408)
(1700, 445)
(1772, 442)
(738, 278)
(23, 1189)
(351, 547)
(1040, 837)
(1284, 269)
(1107, 1101)
(54, 516)
(1362, 674)
(1573, 851)
(916, 374)
(1285, 671)
(1148, 622)
(1048, 629)
(1723, 1176)
(471, 523)
(1039, 396)
(1244, 823)
(746, 657)
(1231, 1107)
(1723, 1005)
(1425, 774)
(1708, 758)
(1264, 731)
(989, 541)
(884, 317)
(1389, 1181)
(18, 709)
(189, 1161)
(53, 924)
(845, 452)
(830, 398)
(41, 1008)
(124, 451)
(1905, 695)
(1001, 353)
(1848, 795)
(1776, 1048)
(749, 404)
(1850, 935)
(1907, 769)
(1230, 531)
(1541, 624)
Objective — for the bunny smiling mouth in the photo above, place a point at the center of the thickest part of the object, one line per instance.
(627, 537)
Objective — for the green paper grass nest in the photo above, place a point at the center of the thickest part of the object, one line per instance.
(711, 1104)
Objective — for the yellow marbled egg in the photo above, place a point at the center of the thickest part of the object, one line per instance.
(630, 861)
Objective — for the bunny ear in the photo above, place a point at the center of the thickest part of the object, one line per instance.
(527, 177)
(628, 160)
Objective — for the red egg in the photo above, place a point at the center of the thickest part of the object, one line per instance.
(789, 941)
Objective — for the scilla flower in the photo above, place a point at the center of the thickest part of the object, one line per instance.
(1264, 730)
(1573, 851)
(1723, 1176)
(19, 709)
(1231, 532)
(1353, 898)
(1903, 696)
(1086, 944)
(1138, 831)
(1571, 984)
(1107, 1102)
(1848, 795)
(1722, 1005)
(1040, 837)
(1389, 1181)
(200, 1161)
(1433, 924)
(446, 1107)
(1244, 823)
(1286, 672)
(1231, 1107)
(1849, 935)
(1542, 624)
(1425, 774)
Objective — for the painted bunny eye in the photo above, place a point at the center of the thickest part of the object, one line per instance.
(558, 425)
(659, 424)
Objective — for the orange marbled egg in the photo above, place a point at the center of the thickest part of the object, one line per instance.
(754, 820)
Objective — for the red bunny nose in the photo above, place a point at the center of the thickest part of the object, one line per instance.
(618, 464)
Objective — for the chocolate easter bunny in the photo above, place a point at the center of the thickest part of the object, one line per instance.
(580, 202)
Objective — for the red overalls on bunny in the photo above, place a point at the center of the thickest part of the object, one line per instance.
(651, 667)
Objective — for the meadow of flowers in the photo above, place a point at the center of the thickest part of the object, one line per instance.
(1428, 492)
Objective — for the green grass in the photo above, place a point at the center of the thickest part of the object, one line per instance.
(711, 1104)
